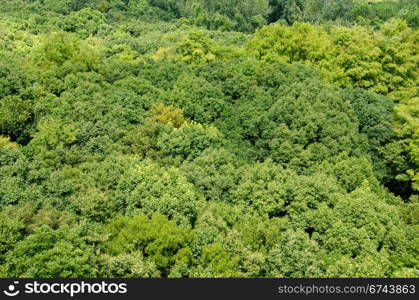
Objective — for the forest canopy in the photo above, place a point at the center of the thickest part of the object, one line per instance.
(246, 138)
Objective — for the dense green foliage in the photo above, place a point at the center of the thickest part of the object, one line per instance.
(192, 138)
